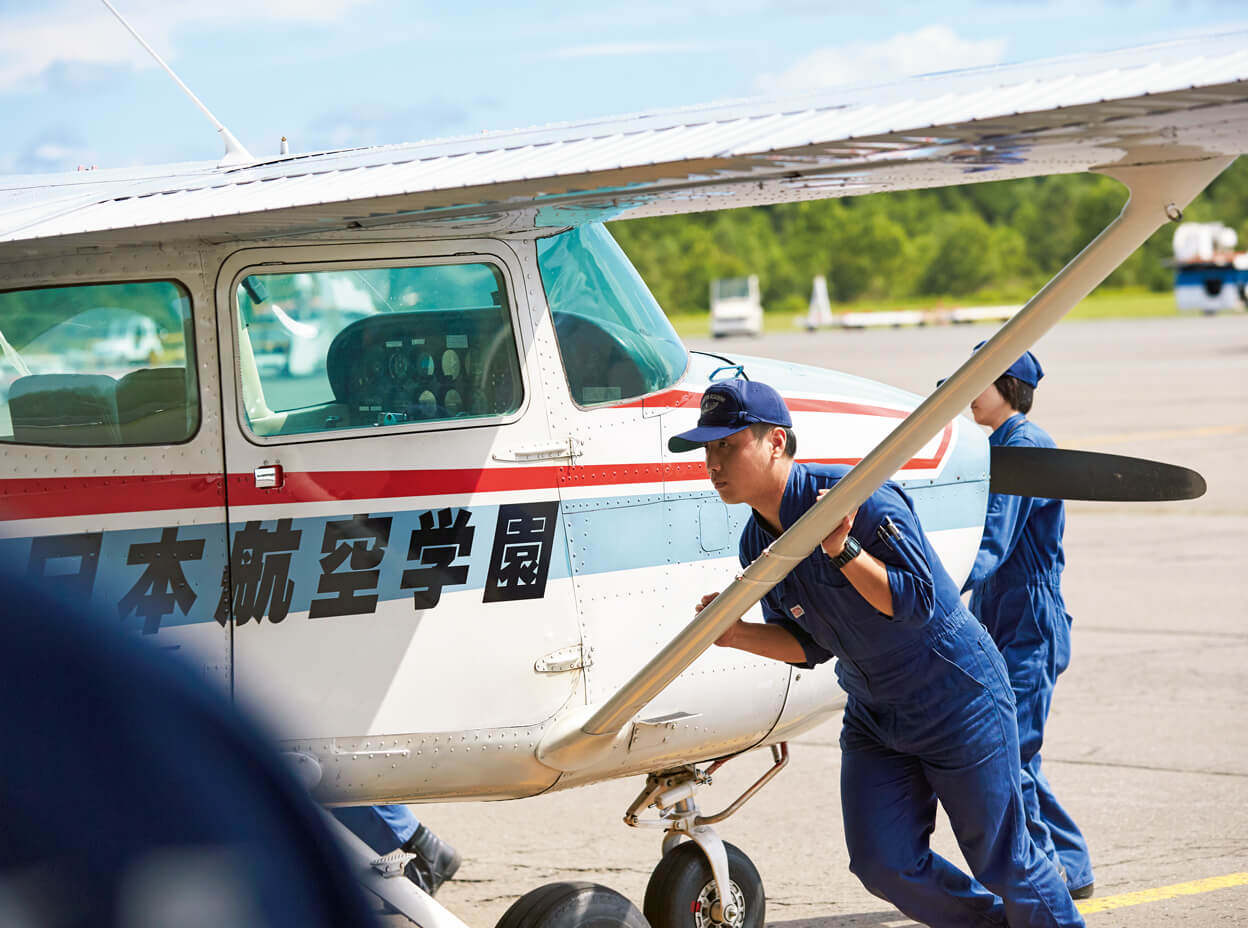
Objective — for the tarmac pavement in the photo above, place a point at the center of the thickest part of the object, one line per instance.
(1147, 745)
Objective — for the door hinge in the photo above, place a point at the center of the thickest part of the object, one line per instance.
(569, 658)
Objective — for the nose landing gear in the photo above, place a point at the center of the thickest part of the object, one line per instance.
(701, 881)
(704, 882)
(683, 891)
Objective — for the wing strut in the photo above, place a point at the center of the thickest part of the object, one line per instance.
(1158, 192)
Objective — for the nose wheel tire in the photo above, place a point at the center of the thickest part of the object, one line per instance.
(572, 905)
(682, 892)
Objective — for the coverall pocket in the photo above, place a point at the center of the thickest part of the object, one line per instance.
(829, 575)
(997, 667)
(951, 662)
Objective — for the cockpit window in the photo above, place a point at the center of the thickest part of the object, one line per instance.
(98, 365)
(614, 339)
(375, 347)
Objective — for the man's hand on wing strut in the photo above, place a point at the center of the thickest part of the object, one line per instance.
(833, 544)
(726, 639)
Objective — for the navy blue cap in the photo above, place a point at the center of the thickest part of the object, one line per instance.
(730, 406)
(1027, 368)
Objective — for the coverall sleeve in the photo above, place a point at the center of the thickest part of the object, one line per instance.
(773, 614)
(888, 530)
(815, 654)
(1003, 526)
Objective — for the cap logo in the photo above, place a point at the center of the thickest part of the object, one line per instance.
(727, 407)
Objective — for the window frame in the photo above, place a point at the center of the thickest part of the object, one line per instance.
(190, 357)
(312, 259)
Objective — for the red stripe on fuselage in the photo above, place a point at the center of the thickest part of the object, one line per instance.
(43, 498)
(679, 399)
(52, 497)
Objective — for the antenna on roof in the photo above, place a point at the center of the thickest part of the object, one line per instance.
(235, 153)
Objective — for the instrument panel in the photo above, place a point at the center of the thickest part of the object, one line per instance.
(425, 366)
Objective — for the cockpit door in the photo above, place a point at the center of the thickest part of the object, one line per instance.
(397, 562)
(111, 495)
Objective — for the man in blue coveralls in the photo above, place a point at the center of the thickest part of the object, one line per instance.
(930, 715)
(1016, 593)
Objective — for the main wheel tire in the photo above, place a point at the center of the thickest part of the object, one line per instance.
(572, 905)
(682, 890)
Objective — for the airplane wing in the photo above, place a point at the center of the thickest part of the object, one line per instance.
(1173, 101)
(1164, 120)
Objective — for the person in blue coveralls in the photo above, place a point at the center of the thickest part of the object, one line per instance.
(1016, 593)
(390, 827)
(930, 713)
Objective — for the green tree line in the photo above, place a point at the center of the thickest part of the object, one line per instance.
(977, 243)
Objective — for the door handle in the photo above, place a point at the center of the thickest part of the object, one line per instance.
(269, 477)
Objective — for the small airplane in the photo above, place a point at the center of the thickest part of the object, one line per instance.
(398, 472)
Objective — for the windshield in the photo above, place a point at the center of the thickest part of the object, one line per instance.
(731, 288)
(614, 339)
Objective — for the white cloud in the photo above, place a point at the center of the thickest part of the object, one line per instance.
(932, 48)
(60, 148)
(376, 124)
(51, 151)
(631, 49)
(80, 33)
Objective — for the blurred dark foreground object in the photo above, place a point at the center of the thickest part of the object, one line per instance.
(133, 794)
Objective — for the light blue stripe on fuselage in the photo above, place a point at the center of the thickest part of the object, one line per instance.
(656, 530)
(592, 536)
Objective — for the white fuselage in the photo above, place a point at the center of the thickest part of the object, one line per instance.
(441, 678)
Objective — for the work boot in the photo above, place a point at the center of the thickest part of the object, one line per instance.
(1076, 892)
(435, 861)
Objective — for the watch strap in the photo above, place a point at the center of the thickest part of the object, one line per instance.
(850, 551)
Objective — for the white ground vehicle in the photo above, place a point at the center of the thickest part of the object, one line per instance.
(736, 306)
(131, 337)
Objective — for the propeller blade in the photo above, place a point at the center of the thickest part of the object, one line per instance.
(1061, 473)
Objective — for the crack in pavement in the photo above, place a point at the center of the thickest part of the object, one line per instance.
(1116, 630)
(1088, 763)
(1149, 767)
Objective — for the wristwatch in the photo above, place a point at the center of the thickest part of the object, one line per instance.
(851, 550)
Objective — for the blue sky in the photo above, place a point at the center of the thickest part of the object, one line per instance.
(76, 89)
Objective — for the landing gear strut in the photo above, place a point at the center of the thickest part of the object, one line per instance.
(707, 882)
